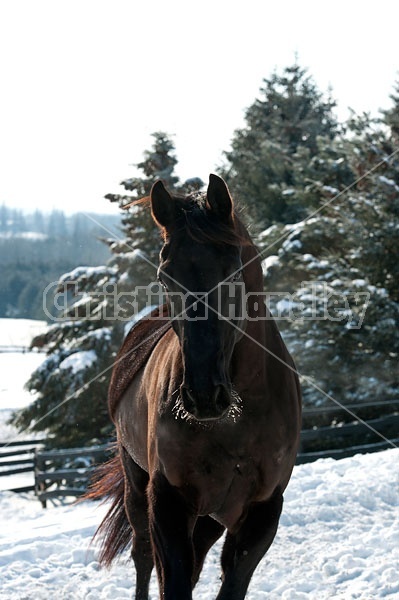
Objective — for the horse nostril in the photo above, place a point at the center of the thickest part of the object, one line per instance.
(222, 398)
(188, 400)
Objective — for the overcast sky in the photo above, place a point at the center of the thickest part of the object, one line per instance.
(85, 82)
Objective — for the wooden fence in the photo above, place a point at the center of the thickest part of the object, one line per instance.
(331, 432)
(17, 458)
(63, 473)
(18, 348)
(348, 439)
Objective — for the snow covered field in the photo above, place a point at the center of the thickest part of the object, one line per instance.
(338, 539)
(19, 332)
(338, 535)
(15, 368)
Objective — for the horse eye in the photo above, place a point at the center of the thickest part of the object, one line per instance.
(236, 276)
(161, 282)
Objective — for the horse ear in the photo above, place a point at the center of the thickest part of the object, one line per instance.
(163, 207)
(219, 198)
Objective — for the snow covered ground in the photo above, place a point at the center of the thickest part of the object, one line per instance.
(338, 539)
(15, 369)
(338, 535)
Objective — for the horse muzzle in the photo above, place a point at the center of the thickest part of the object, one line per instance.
(207, 405)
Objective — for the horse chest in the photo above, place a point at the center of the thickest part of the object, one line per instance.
(218, 478)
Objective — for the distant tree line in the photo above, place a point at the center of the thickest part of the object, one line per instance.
(35, 248)
(321, 198)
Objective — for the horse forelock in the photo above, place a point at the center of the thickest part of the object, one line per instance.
(200, 223)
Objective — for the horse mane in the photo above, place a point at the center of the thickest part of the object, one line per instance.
(200, 223)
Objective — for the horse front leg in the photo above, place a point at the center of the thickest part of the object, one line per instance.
(244, 549)
(171, 527)
(206, 533)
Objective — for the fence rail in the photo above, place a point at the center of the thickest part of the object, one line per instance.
(19, 348)
(347, 439)
(338, 453)
(350, 429)
(23, 460)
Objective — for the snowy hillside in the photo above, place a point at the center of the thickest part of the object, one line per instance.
(338, 539)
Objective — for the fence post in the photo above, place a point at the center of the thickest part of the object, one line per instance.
(40, 486)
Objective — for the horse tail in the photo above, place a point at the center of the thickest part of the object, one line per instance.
(114, 531)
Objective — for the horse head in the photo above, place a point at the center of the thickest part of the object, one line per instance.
(201, 272)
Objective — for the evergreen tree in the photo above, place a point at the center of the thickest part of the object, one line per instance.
(4, 212)
(375, 207)
(57, 224)
(339, 270)
(98, 306)
(17, 221)
(332, 276)
(143, 241)
(38, 222)
(391, 116)
(158, 163)
(285, 130)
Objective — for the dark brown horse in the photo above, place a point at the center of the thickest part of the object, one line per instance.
(208, 419)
